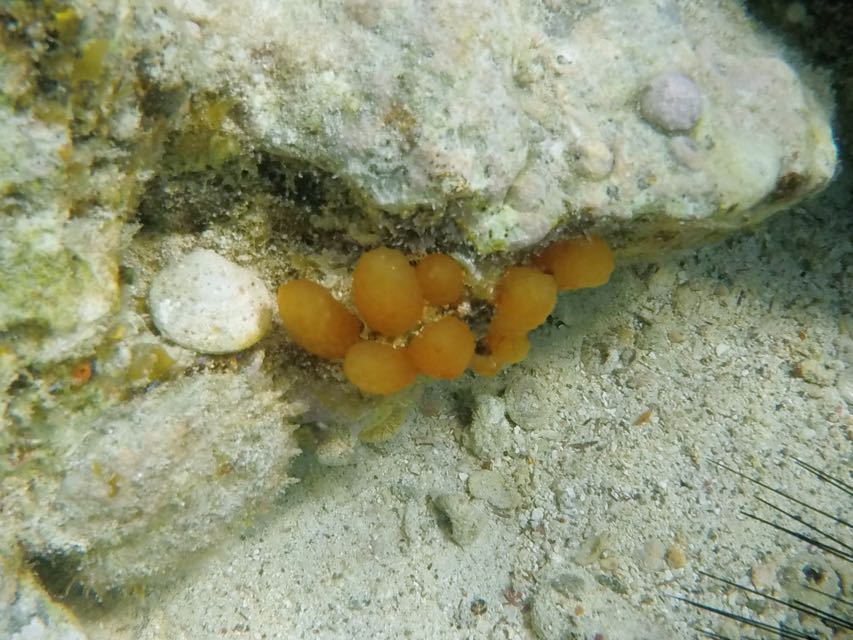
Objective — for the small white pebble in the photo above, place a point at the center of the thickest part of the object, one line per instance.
(209, 304)
(763, 575)
(536, 516)
(672, 102)
(337, 449)
(652, 554)
(566, 498)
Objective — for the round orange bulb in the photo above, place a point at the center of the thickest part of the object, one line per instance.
(441, 278)
(378, 369)
(386, 292)
(315, 320)
(508, 349)
(443, 349)
(525, 298)
(485, 365)
(578, 263)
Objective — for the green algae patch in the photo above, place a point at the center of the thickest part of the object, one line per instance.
(90, 65)
(202, 143)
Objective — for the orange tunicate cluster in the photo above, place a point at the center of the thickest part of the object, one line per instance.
(390, 296)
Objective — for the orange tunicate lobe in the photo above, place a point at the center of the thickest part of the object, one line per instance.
(508, 349)
(441, 278)
(315, 320)
(525, 297)
(386, 292)
(378, 369)
(485, 365)
(503, 350)
(443, 348)
(578, 263)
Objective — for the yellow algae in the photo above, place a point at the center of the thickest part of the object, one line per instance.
(90, 65)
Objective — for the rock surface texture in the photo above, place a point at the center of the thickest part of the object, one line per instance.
(516, 119)
(481, 126)
(512, 120)
(158, 477)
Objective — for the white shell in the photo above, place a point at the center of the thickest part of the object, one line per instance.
(209, 304)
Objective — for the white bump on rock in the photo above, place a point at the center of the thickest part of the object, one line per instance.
(845, 387)
(594, 159)
(672, 102)
(688, 154)
(209, 304)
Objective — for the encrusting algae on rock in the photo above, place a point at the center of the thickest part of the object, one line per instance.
(391, 296)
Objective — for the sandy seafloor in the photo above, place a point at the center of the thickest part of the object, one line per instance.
(604, 501)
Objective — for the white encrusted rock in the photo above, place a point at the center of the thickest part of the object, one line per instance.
(513, 119)
(160, 477)
(209, 304)
(27, 611)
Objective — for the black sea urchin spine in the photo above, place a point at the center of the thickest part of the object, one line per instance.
(815, 532)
